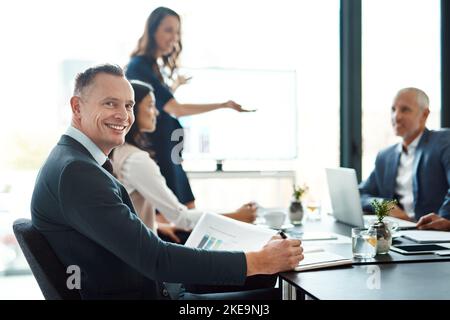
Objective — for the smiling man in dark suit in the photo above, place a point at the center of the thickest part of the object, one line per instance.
(89, 220)
(416, 171)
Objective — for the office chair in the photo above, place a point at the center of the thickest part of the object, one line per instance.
(48, 270)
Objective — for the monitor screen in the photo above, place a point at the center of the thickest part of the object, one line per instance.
(269, 133)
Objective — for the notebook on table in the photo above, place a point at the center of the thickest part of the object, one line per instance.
(427, 236)
(317, 258)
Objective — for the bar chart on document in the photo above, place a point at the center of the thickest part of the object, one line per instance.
(211, 242)
(215, 232)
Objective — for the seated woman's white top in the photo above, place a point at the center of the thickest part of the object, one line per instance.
(142, 178)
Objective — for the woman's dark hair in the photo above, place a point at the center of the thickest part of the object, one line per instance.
(135, 136)
(147, 45)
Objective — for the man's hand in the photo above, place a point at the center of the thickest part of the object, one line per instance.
(246, 213)
(276, 256)
(396, 212)
(433, 221)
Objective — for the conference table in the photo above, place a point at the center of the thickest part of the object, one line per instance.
(386, 277)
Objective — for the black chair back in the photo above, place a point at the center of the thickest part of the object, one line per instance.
(48, 270)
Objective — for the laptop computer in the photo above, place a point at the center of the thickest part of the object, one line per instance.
(345, 199)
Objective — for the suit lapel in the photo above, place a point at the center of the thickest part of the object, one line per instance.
(69, 141)
(417, 158)
(392, 168)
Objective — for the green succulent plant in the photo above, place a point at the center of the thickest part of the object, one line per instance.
(299, 191)
(383, 208)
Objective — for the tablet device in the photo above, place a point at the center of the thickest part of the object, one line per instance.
(418, 248)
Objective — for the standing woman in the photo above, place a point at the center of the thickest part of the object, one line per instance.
(156, 54)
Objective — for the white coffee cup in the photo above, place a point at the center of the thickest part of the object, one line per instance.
(275, 219)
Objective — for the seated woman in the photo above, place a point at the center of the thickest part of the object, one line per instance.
(141, 176)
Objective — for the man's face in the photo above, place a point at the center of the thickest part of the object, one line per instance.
(408, 120)
(104, 112)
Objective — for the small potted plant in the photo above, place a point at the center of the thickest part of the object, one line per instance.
(384, 235)
(296, 207)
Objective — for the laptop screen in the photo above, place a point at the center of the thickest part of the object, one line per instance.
(344, 195)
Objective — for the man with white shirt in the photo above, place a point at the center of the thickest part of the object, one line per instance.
(416, 171)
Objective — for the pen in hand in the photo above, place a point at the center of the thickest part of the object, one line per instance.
(311, 250)
(282, 235)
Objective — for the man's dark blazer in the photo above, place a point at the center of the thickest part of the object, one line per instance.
(431, 176)
(89, 221)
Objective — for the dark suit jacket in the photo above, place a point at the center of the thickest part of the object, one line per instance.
(89, 221)
(431, 177)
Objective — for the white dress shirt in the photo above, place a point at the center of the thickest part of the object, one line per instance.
(405, 174)
(141, 173)
(95, 151)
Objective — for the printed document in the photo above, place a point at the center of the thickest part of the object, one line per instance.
(217, 232)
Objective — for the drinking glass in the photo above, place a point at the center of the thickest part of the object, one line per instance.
(364, 243)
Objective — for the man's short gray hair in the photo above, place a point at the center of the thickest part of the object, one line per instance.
(86, 78)
(421, 97)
